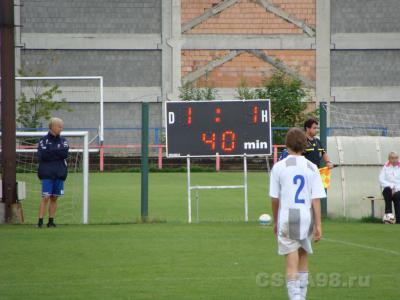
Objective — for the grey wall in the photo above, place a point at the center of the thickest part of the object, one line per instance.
(120, 68)
(120, 120)
(368, 118)
(365, 16)
(365, 81)
(91, 16)
(130, 70)
(365, 67)
(119, 115)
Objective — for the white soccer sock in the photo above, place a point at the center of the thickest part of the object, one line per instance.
(303, 277)
(293, 287)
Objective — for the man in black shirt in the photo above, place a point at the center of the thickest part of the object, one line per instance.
(314, 151)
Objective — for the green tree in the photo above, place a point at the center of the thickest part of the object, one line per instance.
(286, 95)
(287, 101)
(40, 104)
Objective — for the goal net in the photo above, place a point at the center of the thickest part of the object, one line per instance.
(73, 206)
(360, 137)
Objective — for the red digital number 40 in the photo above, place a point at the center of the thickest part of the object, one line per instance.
(228, 140)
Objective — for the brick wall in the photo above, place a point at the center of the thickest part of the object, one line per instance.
(246, 66)
(247, 17)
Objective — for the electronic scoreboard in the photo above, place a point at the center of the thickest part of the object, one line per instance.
(225, 128)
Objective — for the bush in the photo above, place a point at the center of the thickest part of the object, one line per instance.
(244, 92)
(287, 101)
(189, 92)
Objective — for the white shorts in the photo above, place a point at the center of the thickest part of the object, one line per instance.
(287, 245)
(290, 238)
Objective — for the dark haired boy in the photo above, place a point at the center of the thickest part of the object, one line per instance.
(295, 190)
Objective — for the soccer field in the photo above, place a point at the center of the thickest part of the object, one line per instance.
(115, 197)
(175, 260)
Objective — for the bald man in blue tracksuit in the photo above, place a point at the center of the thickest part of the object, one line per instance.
(52, 171)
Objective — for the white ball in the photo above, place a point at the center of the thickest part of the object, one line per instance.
(265, 219)
(388, 219)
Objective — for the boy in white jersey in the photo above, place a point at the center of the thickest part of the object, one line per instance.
(295, 190)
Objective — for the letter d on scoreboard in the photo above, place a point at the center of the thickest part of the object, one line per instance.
(226, 128)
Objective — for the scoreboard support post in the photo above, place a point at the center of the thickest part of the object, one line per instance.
(189, 190)
(216, 187)
(246, 204)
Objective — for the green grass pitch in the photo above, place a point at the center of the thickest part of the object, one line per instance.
(174, 260)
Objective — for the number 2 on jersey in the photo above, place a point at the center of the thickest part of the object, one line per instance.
(299, 189)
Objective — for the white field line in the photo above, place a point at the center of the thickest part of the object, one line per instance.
(362, 246)
(125, 280)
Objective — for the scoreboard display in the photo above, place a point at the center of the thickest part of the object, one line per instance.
(225, 128)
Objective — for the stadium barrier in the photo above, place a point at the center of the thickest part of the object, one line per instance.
(359, 160)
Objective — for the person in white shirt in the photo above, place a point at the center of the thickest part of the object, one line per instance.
(389, 179)
(295, 190)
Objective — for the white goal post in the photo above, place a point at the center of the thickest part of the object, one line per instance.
(95, 78)
(84, 149)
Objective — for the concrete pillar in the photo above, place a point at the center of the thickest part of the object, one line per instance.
(171, 49)
(323, 53)
(166, 11)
